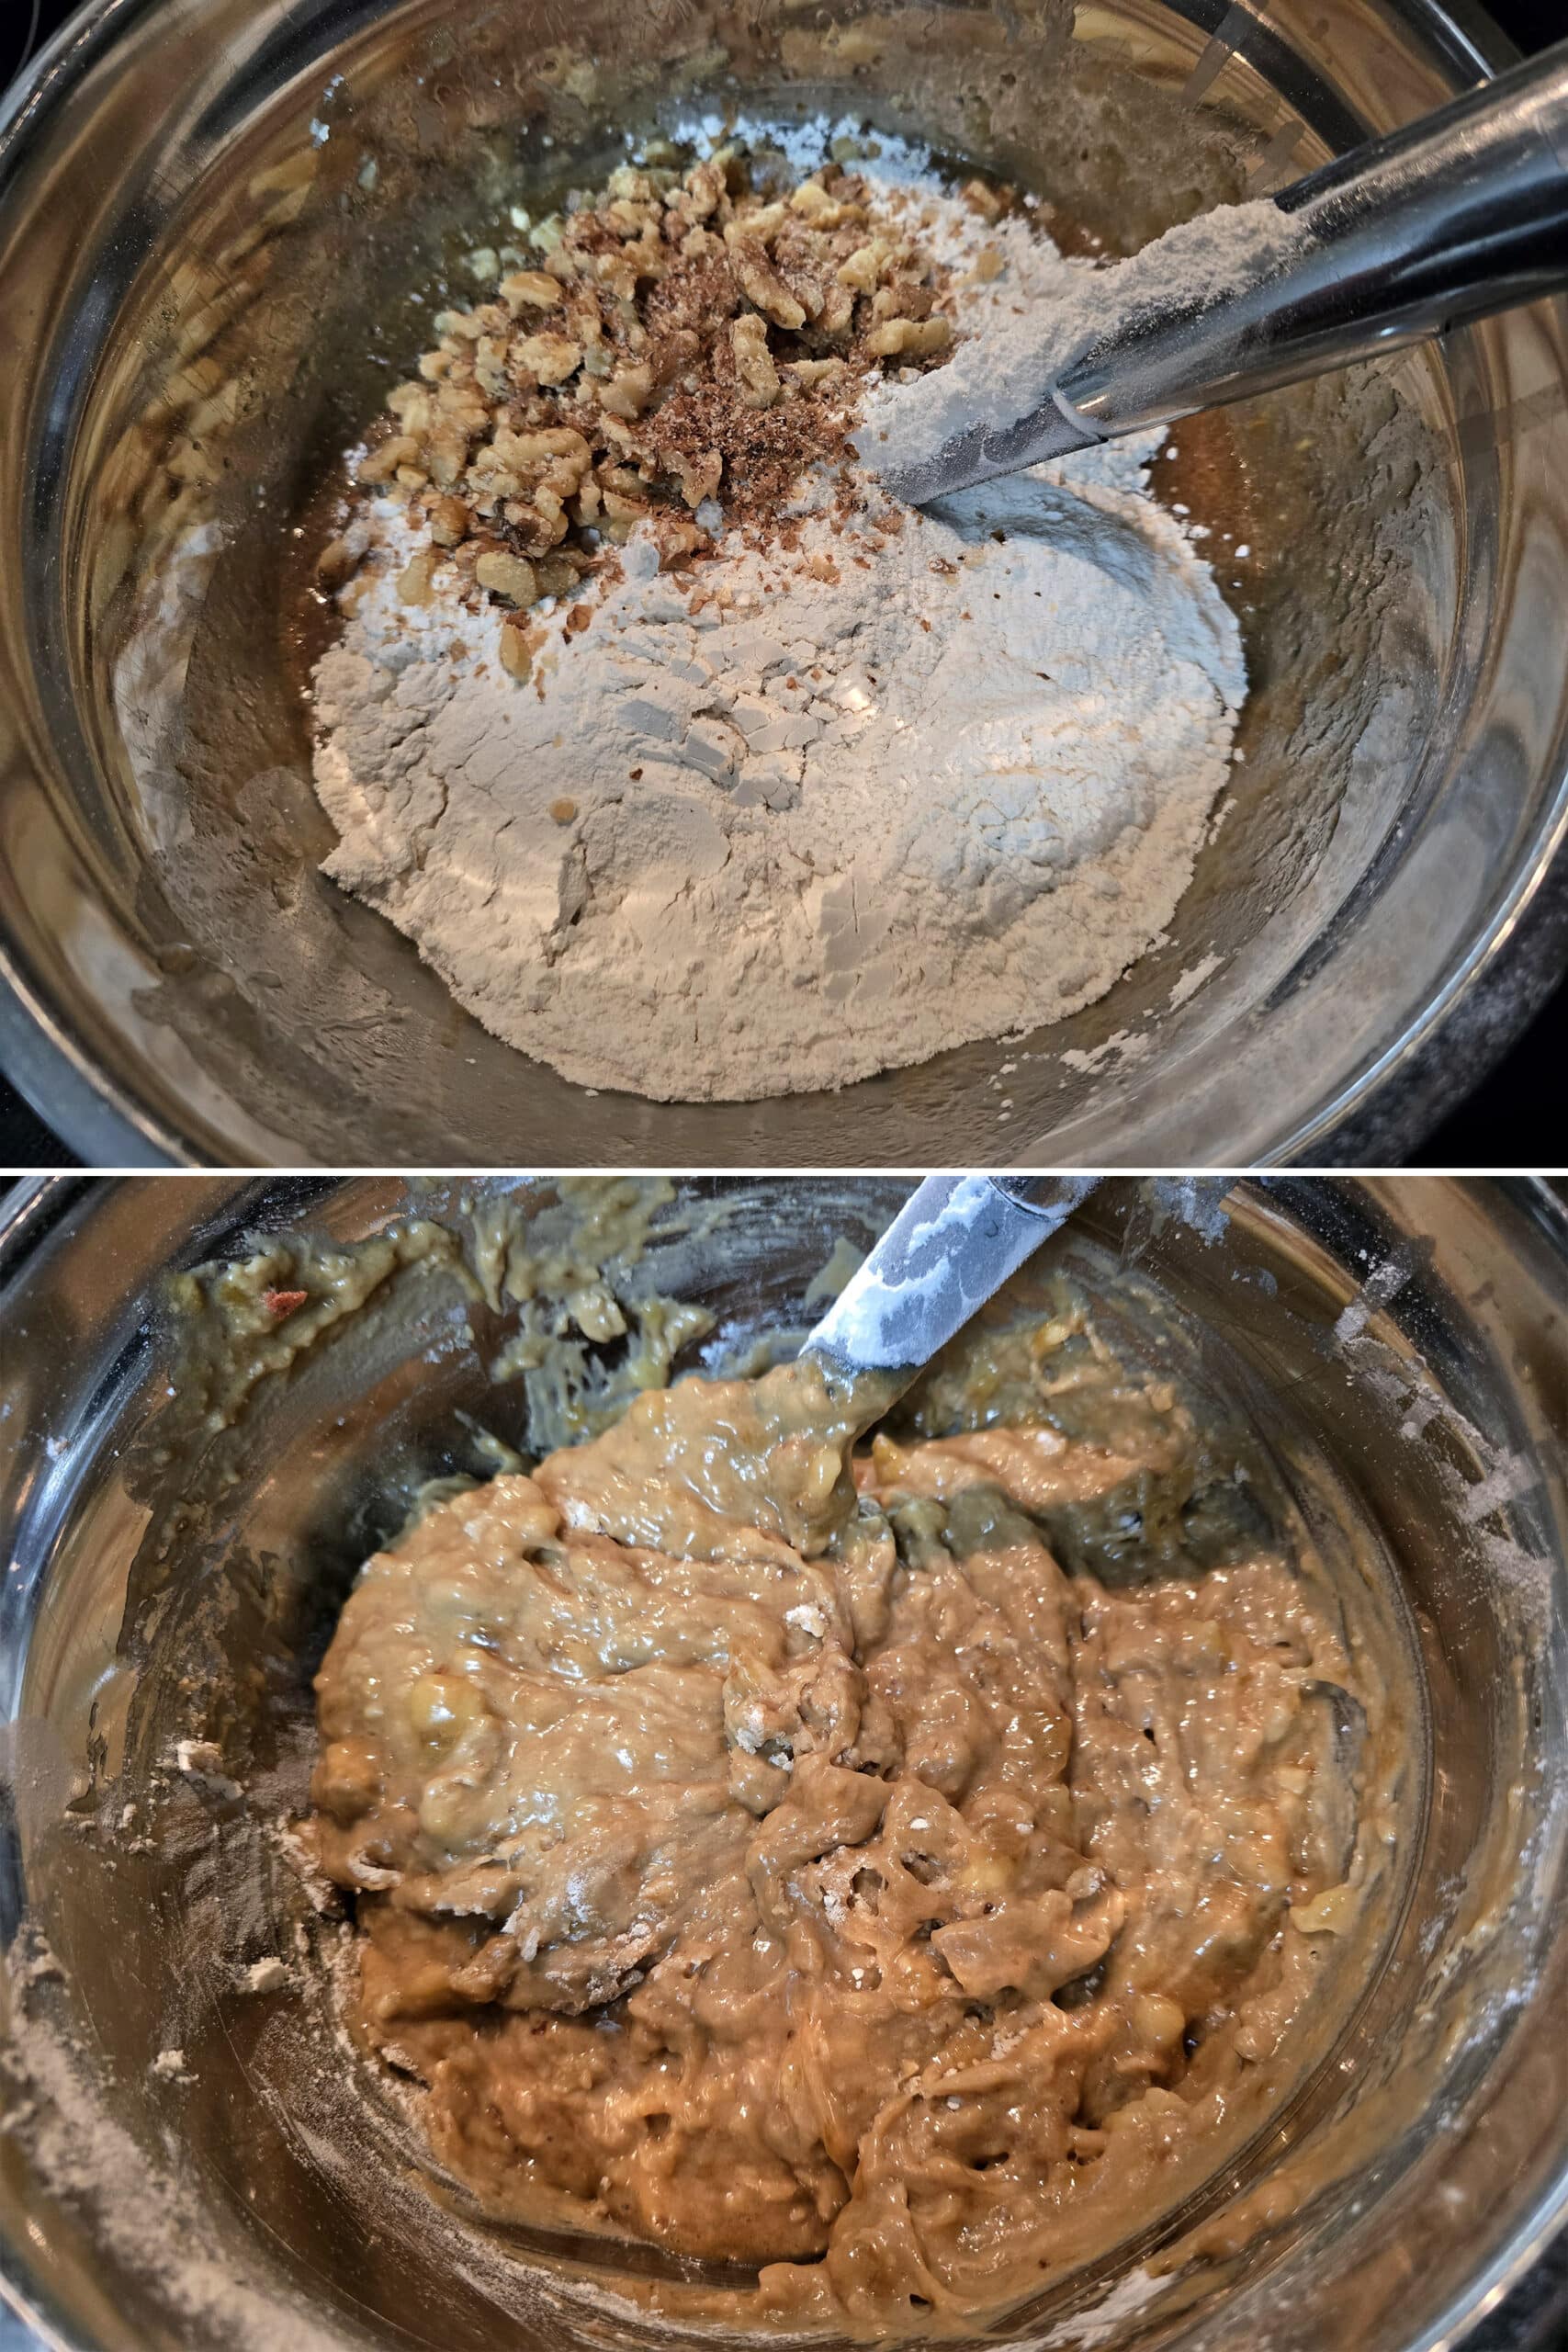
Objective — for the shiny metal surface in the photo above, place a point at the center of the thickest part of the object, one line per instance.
(1450, 219)
(951, 1246)
(157, 1590)
(191, 283)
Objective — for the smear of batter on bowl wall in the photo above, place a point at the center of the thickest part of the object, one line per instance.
(694, 763)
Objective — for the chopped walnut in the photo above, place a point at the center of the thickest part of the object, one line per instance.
(705, 187)
(672, 342)
(446, 453)
(448, 522)
(402, 450)
(626, 392)
(511, 576)
(676, 537)
(824, 211)
(866, 265)
(986, 201)
(762, 225)
(464, 325)
(622, 514)
(902, 300)
(835, 321)
(530, 289)
(414, 580)
(336, 563)
(700, 477)
(542, 521)
(554, 445)
(552, 357)
(413, 405)
(809, 373)
(518, 646)
(754, 367)
(761, 282)
(909, 338)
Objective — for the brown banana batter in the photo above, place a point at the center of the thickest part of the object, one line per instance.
(783, 1858)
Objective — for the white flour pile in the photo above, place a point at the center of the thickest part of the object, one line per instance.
(794, 817)
(1014, 352)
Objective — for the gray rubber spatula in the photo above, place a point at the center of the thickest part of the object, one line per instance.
(1461, 213)
(952, 1246)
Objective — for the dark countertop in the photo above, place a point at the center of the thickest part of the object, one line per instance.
(1535, 2316)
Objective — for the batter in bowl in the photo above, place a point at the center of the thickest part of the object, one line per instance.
(904, 1869)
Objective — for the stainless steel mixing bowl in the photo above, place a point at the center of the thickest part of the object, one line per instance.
(210, 214)
(171, 1577)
